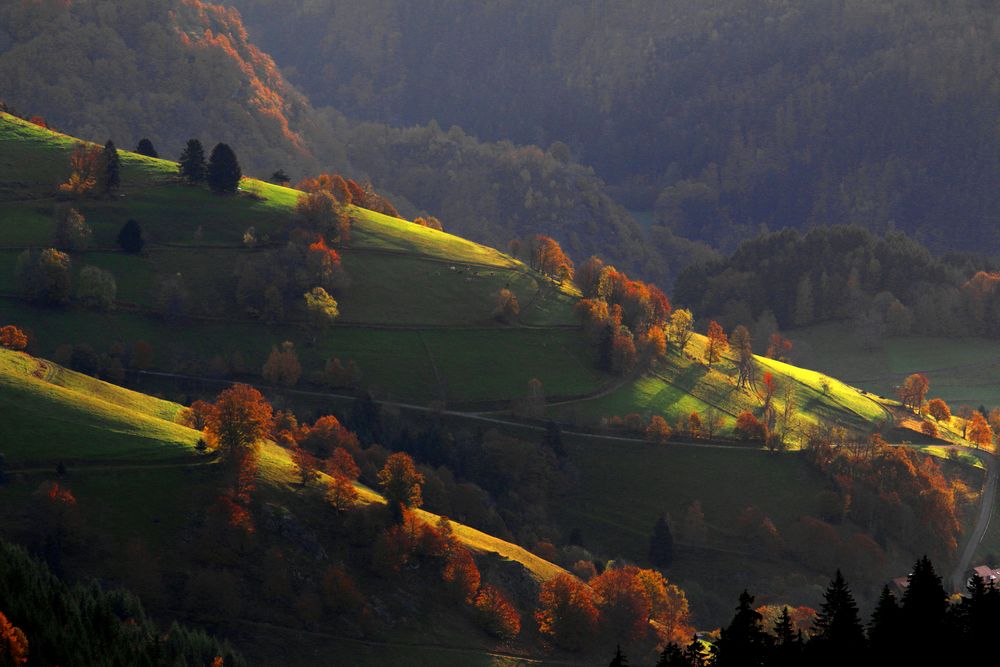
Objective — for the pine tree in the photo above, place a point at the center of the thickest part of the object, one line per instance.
(839, 637)
(192, 163)
(620, 660)
(130, 237)
(744, 642)
(673, 656)
(788, 643)
(923, 611)
(224, 172)
(146, 148)
(883, 631)
(111, 178)
(661, 544)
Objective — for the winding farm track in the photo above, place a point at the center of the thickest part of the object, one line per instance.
(987, 505)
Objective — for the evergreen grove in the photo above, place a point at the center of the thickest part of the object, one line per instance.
(922, 626)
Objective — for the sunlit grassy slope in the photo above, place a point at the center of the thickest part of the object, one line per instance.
(52, 414)
(684, 384)
(417, 316)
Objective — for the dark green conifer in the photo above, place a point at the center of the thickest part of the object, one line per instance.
(839, 637)
(192, 162)
(744, 642)
(112, 177)
(883, 631)
(224, 172)
(620, 660)
(146, 148)
(130, 237)
(661, 543)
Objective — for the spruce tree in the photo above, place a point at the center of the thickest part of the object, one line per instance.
(744, 642)
(130, 237)
(146, 148)
(883, 631)
(661, 543)
(111, 178)
(788, 642)
(672, 656)
(620, 660)
(924, 613)
(224, 171)
(192, 162)
(839, 637)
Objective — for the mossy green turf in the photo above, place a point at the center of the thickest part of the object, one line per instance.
(684, 384)
(960, 370)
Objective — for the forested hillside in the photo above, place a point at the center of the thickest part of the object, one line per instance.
(724, 115)
(169, 71)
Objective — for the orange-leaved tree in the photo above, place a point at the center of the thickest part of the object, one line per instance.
(496, 613)
(566, 612)
(400, 482)
(717, 343)
(241, 419)
(938, 409)
(13, 338)
(13, 644)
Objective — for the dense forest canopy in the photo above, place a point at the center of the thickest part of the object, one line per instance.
(724, 116)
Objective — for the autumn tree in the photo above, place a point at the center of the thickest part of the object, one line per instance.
(658, 431)
(460, 574)
(306, 464)
(507, 309)
(566, 612)
(240, 420)
(548, 257)
(224, 172)
(145, 147)
(668, 605)
(748, 427)
(913, 390)
(86, 170)
(320, 210)
(72, 233)
(928, 429)
(496, 613)
(44, 276)
(400, 482)
(111, 169)
(979, 431)
(681, 328)
(741, 342)
(779, 347)
(717, 343)
(342, 463)
(694, 424)
(623, 603)
(12, 338)
(282, 366)
(322, 309)
(13, 644)
(191, 166)
(588, 276)
(938, 409)
(341, 493)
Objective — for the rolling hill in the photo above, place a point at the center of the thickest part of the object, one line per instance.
(417, 319)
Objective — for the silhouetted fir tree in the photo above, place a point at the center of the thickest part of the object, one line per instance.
(146, 148)
(224, 172)
(925, 632)
(130, 237)
(661, 543)
(192, 165)
(743, 643)
(553, 439)
(620, 660)
(788, 643)
(673, 656)
(978, 613)
(112, 177)
(695, 653)
(884, 629)
(839, 637)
